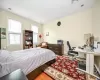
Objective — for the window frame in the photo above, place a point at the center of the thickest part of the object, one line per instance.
(35, 34)
(9, 32)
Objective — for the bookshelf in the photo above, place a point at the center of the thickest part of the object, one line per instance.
(27, 39)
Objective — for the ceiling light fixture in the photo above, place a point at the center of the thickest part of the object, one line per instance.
(82, 5)
(9, 9)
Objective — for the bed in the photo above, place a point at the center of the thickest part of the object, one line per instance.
(26, 60)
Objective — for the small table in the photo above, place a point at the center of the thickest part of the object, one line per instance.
(16, 75)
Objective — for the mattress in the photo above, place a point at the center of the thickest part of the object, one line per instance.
(27, 60)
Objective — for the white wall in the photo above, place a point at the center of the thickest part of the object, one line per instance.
(0, 17)
(73, 26)
(96, 25)
(96, 19)
(72, 29)
(26, 25)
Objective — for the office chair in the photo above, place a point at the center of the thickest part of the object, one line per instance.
(71, 51)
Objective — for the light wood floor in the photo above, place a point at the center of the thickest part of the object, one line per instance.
(43, 76)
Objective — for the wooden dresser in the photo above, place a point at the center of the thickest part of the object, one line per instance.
(56, 48)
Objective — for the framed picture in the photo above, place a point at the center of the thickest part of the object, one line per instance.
(47, 33)
(3, 33)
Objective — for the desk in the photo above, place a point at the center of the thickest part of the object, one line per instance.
(89, 60)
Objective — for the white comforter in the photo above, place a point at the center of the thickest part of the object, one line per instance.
(26, 60)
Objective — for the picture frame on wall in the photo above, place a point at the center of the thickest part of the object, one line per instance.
(47, 33)
(3, 33)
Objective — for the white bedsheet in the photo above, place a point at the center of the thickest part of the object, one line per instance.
(27, 60)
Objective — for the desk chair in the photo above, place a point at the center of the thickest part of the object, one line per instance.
(74, 54)
(71, 51)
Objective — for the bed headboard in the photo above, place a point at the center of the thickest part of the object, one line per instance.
(56, 48)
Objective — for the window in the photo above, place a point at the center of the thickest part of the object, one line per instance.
(35, 34)
(14, 31)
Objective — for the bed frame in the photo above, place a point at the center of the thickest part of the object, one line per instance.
(39, 70)
(57, 49)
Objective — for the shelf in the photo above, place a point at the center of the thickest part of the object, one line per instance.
(28, 44)
(27, 38)
(97, 68)
(80, 59)
(87, 73)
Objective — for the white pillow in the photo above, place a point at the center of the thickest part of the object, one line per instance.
(5, 56)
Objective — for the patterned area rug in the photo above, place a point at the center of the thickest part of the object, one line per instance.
(65, 69)
(57, 75)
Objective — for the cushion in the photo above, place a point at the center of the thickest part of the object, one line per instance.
(5, 56)
(44, 44)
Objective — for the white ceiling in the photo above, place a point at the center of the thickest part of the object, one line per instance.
(43, 11)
